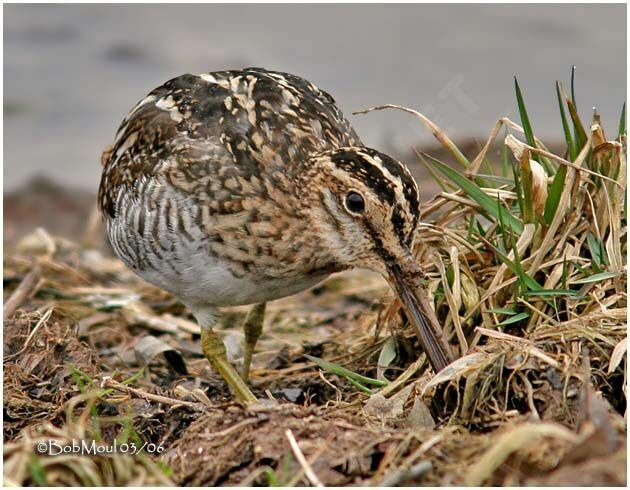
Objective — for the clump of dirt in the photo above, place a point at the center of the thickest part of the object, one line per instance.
(237, 446)
(42, 355)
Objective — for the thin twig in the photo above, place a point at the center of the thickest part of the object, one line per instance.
(308, 471)
(566, 163)
(25, 289)
(108, 382)
(44, 318)
(240, 425)
(434, 128)
(396, 478)
(534, 351)
(295, 480)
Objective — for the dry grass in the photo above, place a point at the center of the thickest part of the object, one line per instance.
(525, 269)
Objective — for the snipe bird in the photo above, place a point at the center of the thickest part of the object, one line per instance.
(240, 187)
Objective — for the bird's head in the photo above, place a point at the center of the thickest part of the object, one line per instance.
(365, 207)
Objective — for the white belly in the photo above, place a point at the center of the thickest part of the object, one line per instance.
(185, 268)
(212, 284)
(196, 278)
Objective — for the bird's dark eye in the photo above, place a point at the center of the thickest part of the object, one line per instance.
(355, 202)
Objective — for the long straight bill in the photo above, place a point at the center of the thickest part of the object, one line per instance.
(422, 317)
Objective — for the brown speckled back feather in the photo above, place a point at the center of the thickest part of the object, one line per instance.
(235, 121)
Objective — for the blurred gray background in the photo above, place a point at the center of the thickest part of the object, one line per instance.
(71, 72)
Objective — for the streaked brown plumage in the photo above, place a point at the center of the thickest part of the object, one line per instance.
(239, 187)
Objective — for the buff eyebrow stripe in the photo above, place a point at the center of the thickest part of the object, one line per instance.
(371, 175)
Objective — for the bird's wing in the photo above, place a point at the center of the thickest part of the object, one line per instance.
(208, 128)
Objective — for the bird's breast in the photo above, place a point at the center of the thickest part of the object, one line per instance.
(240, 258)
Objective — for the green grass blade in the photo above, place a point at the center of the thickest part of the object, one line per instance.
(565, 271)
(37, 471)
(573, 86)
(135, 377)
(507, 235)
(385, 358)
(433, 173)
(515, 318)
(518, 188)
(565, 126)
(346, 373)
(555, 191)
(580, 133)
(489, 205)
(581, 269)
(83, 380)
(530, 282)
(596, 249)
(552, 292)
(470, 228)
(459, 156)
(580, 136)
(359, 386)
(501, 311)
(529, 133)
(481, 230)
(596, 278)
(622, 122)
(527, 127)
(497, 179)
(522, 275)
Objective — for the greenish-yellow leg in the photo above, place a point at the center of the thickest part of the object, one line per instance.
(214, 350)
(253, 328)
